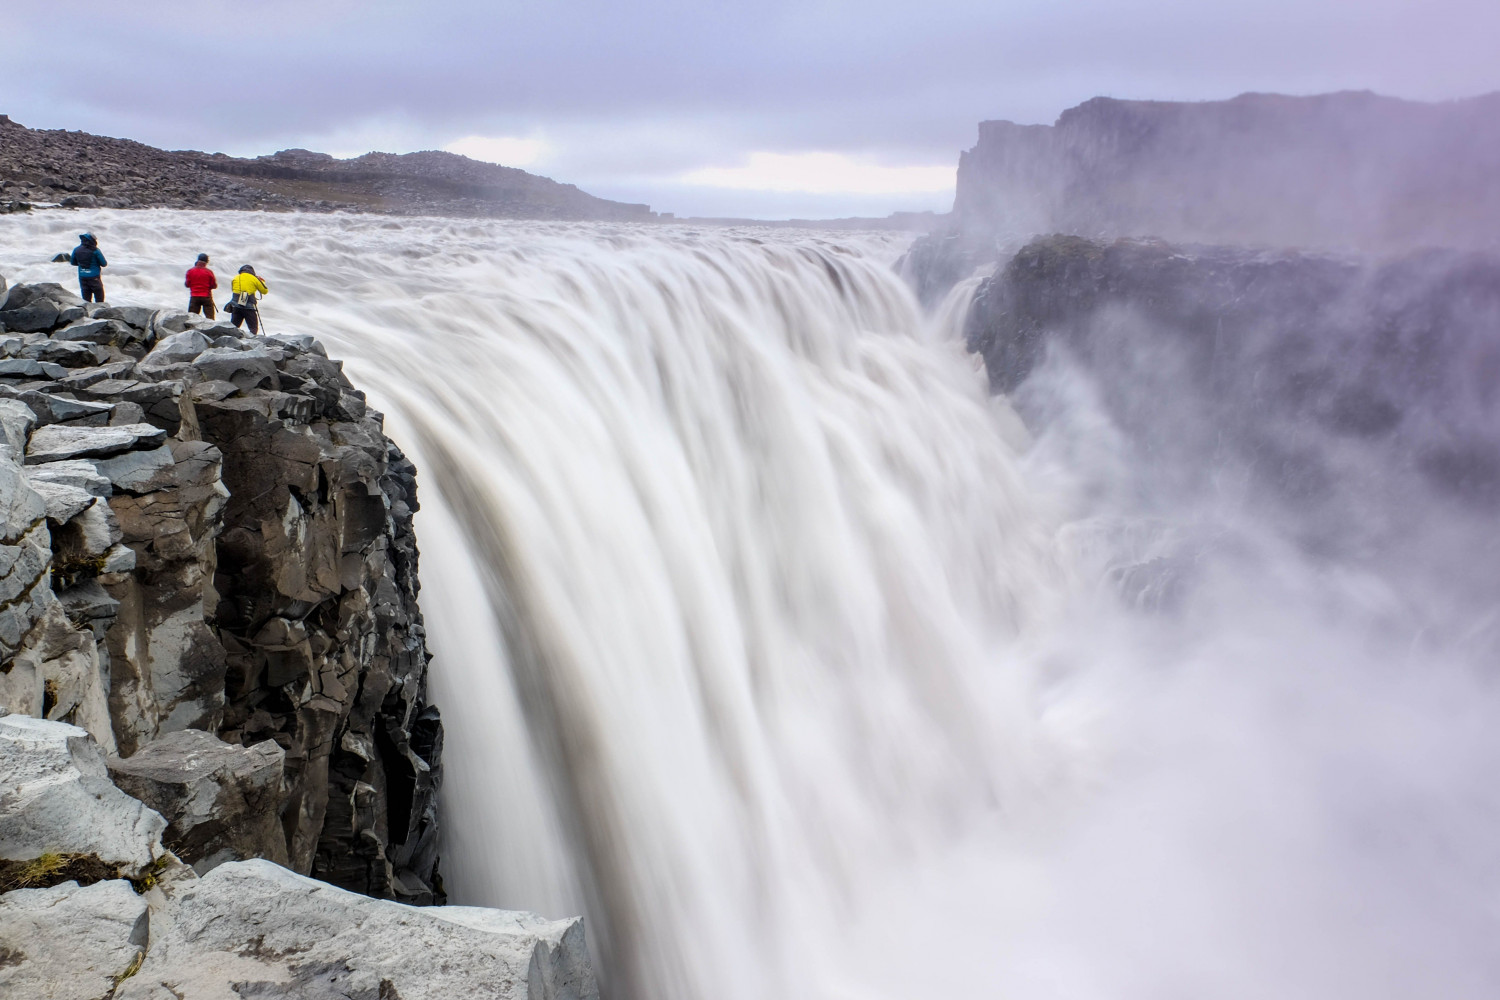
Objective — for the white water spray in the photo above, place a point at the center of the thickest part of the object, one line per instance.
(767, 640)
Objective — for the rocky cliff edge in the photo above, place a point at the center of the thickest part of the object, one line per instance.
(208, 590)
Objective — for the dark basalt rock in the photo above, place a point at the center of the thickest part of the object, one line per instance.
(221, 801)
(249, 576)
(1272, 356)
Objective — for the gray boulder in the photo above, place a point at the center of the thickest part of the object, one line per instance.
(56, 442)
(33, 308)
(85, 377)
(137, 471)
(68, 941)
(168, 321)
(73, 355)
(178, 347)
(138, 317)
(79, 472)
(16, 421)
(251, 922)
(246, 369)
(57, 798)
(33, 316)
(126, 412)
(53, 408)
(30, 368)
(64, 502)
(299, 342)
(222, 801)
(94, 330)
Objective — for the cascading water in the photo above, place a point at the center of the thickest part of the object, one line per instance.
(768, 640)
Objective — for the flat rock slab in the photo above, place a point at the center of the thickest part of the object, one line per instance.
(56, 442)
(56, 797)
(176, 348)
(136, 316)
(230, 365)
(71, 355)
(30, 368)
(54, 409)
(277, 934)
(79, 472)
(64, 502)
(136, 471)
(68, 941)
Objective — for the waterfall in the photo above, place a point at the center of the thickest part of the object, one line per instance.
(768, 640)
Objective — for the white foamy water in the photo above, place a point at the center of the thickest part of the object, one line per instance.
(766, 639)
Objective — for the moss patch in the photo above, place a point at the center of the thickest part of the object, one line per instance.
(55, 869)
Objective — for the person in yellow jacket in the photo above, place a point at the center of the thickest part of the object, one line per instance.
(242, 308)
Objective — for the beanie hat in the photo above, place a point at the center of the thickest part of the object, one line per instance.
(203, 258)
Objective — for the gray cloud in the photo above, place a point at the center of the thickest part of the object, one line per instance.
(632, 95)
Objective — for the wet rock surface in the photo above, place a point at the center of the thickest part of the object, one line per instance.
(209, 538)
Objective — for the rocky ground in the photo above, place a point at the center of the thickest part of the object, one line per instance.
(79, 170)
(100, 909)
(208, 600)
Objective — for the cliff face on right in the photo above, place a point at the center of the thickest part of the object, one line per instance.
(1351, 399)
(1346, 172)
(1336, 171)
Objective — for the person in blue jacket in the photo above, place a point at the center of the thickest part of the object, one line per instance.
(87, 258)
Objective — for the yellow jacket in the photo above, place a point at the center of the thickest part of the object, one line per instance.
(248, 284)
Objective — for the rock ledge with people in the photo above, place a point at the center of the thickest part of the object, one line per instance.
(215, 739)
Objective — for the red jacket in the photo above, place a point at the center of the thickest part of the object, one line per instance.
(201, 282)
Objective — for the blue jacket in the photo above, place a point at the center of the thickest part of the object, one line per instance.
(88, 260)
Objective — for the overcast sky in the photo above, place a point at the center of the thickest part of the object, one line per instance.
(765, 108)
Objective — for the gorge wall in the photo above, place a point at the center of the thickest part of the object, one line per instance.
(209, 566)
(1351, 401)
(1345, 172)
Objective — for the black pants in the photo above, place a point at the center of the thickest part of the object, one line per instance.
(244, 314)
(92, 289)
(202, 304)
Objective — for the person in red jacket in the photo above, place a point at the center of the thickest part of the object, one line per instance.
(200, 285)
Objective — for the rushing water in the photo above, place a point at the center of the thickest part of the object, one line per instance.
(766, 639)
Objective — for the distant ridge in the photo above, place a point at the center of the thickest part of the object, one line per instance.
(77, 169)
